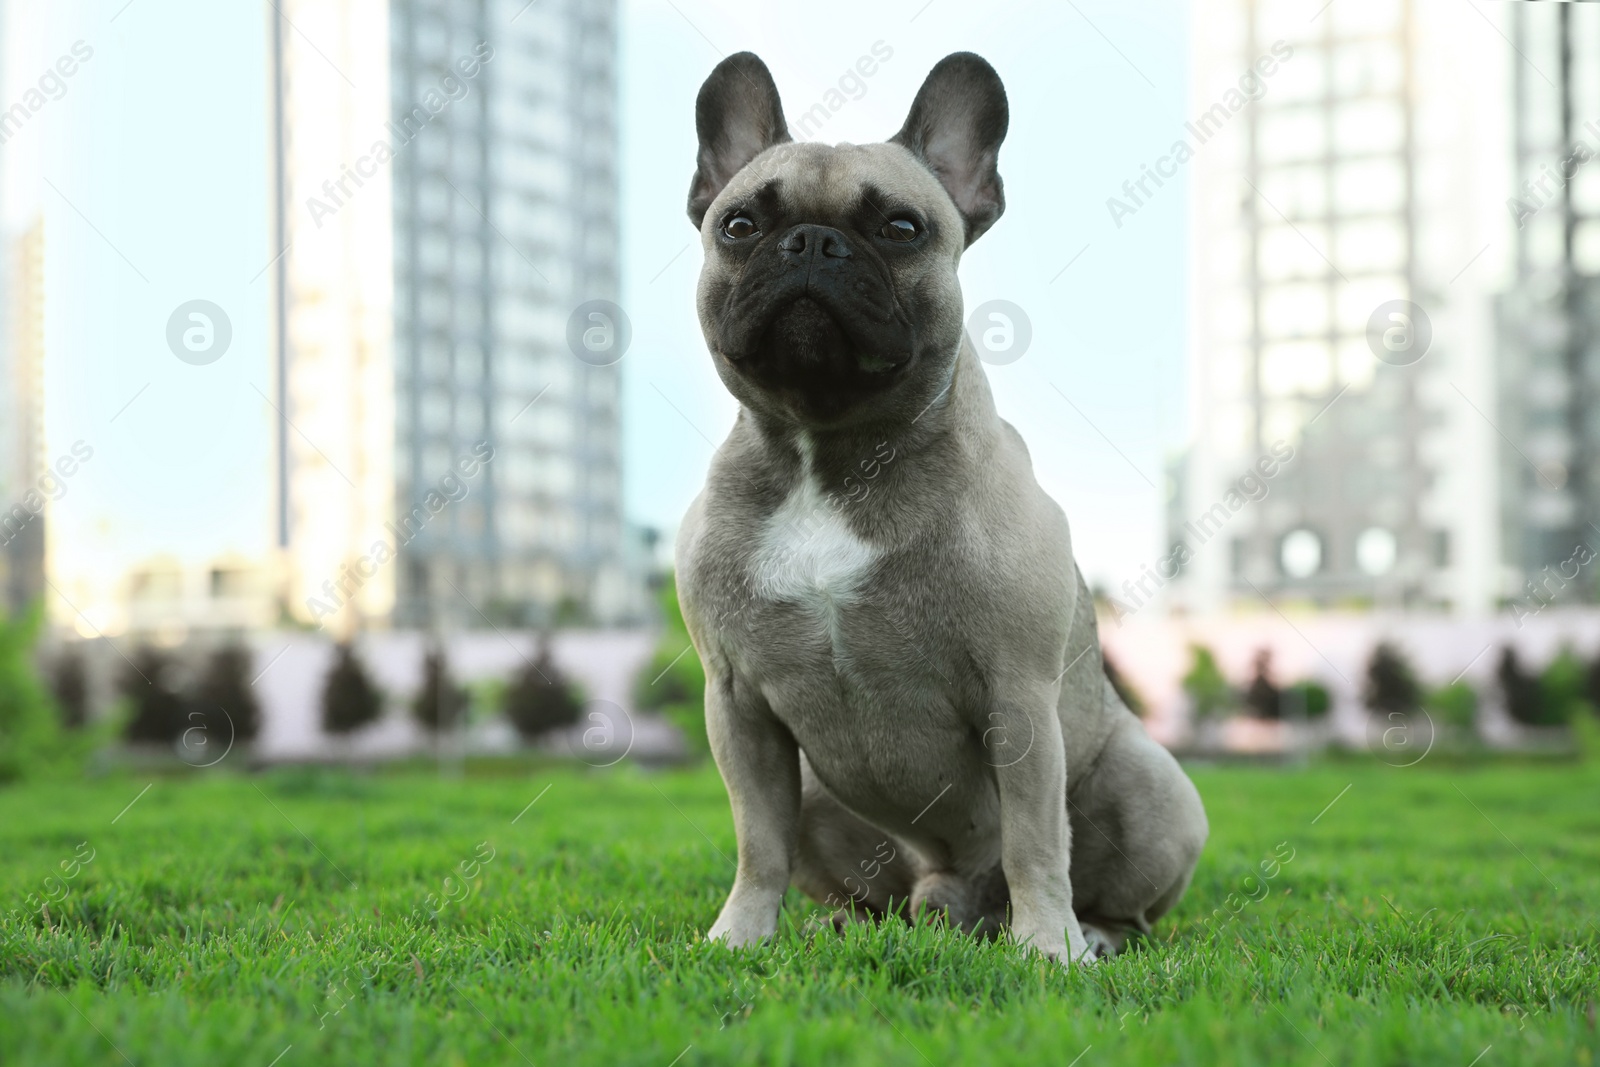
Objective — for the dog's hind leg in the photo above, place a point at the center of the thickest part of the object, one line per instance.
(1137, 830)
(844, 861)
(978, 904)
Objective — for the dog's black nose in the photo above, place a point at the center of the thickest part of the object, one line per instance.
(810, 239)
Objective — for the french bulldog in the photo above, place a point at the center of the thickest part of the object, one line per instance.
(904, 690)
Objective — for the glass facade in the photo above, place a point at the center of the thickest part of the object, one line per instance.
(505, 209)
(1311, 209)
(1549, 320)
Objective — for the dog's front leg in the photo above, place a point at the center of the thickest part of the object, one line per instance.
(760, 764)
(1035, 834)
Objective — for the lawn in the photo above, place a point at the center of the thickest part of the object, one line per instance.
(1348, 913)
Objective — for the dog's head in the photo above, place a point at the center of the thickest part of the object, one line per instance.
(829, 291)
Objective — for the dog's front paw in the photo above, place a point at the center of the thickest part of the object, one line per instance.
(1066, 947)
(738, 931)
(1065, 956)
(734, 939)
(749, 917)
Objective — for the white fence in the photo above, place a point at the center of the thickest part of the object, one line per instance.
(1153, 653)
(291, 668)
(1333, 648)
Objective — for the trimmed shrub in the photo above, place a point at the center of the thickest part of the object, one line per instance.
(350, 700)
(1309, 698)
(673, 683)
(1209, 692)
(440, 704)
(1264, 699)
(1591, 683)
(674, 674)
(69, 683)
(1391, 685)
(29, 733)
(158, 707)
(1563, 688)
(1455, 705)
(540, 698)
(1521, 690)
(1586, 735)
(224, 695)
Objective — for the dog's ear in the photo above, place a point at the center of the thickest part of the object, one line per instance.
(955, 127)
(738, 116)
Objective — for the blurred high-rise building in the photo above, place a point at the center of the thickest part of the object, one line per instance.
(26, 496)
(1340, 366)
(446, 458)
(22, 520)
(506, 221)
(1549, 320)
(333, 393)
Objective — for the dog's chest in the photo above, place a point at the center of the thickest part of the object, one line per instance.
(808, 555)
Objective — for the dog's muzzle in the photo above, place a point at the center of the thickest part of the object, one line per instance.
(816, 296)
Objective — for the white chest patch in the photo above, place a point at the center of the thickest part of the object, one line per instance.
(808, 552)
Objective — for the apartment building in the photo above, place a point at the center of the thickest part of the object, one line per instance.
(505, 221)
(1548, 319)
(446, 456)
(1341, 268)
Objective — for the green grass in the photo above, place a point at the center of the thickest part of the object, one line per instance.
(285, 919)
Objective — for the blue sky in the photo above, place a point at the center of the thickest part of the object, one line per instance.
(151, 174)
(157, 154)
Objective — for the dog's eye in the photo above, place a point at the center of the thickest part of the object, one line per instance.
(899, 229)
(739, 227)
